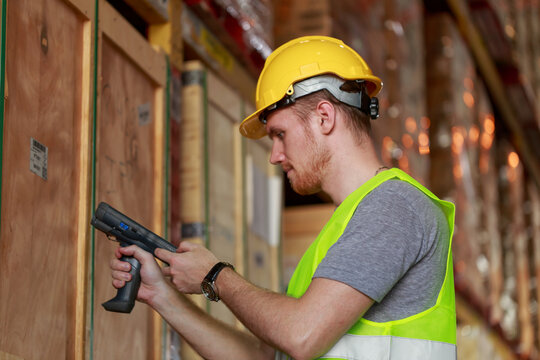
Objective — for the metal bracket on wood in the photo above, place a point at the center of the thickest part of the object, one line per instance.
(193, 230)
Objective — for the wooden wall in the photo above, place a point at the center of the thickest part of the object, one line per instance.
(45, 184)
(54, 274)
(129, 171)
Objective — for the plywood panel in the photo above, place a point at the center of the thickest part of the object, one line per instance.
(129, 171)
(223, 209)
(301, 226)
(42, 241)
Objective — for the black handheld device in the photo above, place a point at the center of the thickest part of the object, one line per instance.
(119, 227)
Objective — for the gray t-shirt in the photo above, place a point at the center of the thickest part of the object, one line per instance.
(394, 250)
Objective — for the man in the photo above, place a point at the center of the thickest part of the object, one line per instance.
(377, 282)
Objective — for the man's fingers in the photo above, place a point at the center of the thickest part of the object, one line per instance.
(121, 275)
(126, 251)
(186, 246)
(118, 283)
(137, 253)
(164, 255)
(116, 264)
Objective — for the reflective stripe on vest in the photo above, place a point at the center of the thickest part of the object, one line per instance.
(362, 347)
(431, 333)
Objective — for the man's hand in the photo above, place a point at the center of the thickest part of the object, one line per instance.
(153, 283)
(188, 266)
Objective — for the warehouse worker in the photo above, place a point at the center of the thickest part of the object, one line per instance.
(377, 282)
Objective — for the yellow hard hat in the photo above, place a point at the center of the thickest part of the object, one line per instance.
(300, 59)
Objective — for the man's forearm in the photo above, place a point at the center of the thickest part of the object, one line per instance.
(276, 319)
(304, 328)
(210, 337)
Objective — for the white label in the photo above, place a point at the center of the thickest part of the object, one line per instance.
(260, 225)
(275, 191)
(38, 158)
(144, 115)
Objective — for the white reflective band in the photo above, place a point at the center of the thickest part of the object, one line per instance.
(362, 347)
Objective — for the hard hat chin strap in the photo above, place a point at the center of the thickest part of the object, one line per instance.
(350, 92)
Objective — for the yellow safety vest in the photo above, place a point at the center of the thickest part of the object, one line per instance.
(430, 334)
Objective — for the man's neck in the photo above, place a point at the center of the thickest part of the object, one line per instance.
(348, 170)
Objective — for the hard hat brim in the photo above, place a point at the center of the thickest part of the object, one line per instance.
(252, 127)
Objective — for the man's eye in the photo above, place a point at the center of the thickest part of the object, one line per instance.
(280, 135)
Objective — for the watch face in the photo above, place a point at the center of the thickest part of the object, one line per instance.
(208, 290)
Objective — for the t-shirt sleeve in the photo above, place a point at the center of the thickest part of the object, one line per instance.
(381, 242)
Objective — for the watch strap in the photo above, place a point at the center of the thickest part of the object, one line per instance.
(210, 279)
(216, 269)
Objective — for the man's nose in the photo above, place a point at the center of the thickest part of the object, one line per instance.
(277, 156)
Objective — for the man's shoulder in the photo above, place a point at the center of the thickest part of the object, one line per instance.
(397, 198)
(396, 190)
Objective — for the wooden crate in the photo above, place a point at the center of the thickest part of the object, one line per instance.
(212, 167)
(45, 179)
(211, 207)
(130, 171)
(301, 226)
(214, 184)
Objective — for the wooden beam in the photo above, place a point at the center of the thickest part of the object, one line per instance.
(169, 35)
(152, 11)
(85, 181)
(115, 27)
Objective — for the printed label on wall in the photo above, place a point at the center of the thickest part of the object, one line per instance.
(38, 158)
(143, 114)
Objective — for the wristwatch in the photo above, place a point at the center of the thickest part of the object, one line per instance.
(208, 285)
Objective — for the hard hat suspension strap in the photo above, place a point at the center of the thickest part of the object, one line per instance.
(352, 93)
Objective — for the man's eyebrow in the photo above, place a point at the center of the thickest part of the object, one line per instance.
(273, 130)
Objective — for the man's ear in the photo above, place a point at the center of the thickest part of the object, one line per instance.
(326, 116)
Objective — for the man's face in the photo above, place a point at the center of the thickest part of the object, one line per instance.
(296, 149)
